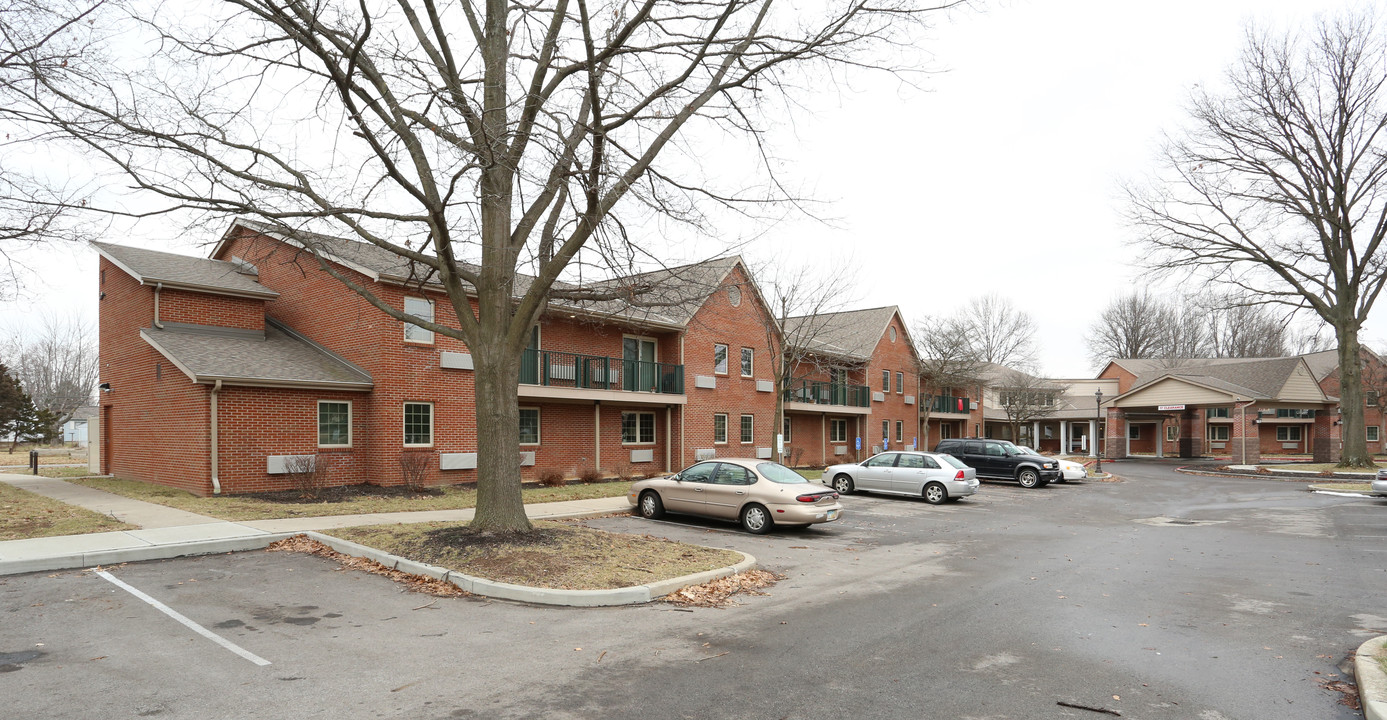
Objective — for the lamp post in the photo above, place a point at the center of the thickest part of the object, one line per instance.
(1098, 449)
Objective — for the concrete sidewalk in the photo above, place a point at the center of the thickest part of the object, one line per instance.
(168, 532)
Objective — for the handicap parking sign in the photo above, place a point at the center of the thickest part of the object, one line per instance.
(859, 443)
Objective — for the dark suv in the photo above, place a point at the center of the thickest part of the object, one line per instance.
(1000, 460)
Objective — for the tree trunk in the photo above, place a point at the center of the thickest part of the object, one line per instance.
(500, 506)
(1355, 437)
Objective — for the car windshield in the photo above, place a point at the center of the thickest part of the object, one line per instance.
(775, 472)
(950, 459)
(1011, 448)
(1026, 451)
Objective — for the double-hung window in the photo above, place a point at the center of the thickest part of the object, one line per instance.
(529, 426)
(334, 423)
(638, 428)
(900, 383)
(886, 381)
(838, 430)
(719, 359)
(1288, 433)
(748, 429)
(1373, 433)
(719, 428)
(421, 308)
(785, 428)
(900, 431)
(748, 357)
(418, 424)
(1218, 433)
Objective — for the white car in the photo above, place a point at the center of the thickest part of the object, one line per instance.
(1069, 470)
(936, 477)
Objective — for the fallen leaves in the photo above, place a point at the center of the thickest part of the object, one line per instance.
(719, 593)
(414, 583)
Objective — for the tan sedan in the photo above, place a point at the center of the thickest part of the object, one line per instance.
(759, 494)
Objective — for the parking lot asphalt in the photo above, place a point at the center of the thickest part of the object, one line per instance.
(1165, 596)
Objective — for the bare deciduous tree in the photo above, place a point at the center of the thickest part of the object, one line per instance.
(1238, 329)
(504, 134)
(948, 360)
(37, 38)
(1280, 187)
(999, 332)
(802, 298)
(1131, 326)
(1025, 398)
(57, 365)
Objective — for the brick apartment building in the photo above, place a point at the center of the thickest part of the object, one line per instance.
(857, 379)
(217, 371)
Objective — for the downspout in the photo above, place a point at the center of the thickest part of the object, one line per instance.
(216, 390)
(157, 324)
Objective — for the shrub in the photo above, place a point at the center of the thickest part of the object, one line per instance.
(590, 475)
(307, 473)
(414, 468)
(795, 455)
(549, 477)
(625, 471)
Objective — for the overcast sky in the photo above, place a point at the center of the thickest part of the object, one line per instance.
(1002, 175)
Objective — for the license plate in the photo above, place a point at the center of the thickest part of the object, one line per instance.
(832, 514)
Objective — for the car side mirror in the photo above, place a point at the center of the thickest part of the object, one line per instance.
(675, 477)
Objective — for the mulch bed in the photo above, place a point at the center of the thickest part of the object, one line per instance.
(348, 493)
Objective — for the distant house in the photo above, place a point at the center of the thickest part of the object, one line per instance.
(75, 429)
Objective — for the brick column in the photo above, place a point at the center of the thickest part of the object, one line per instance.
(1200, 432)
(1325, 436)
(1115, 444)
(1245, 442)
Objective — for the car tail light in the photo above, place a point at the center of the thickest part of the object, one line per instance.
(959, 476)
(813, 498)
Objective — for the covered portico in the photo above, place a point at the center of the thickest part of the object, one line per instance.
(1192, 416)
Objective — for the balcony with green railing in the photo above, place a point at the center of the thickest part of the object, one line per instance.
(817, 392)
(597, 372)
(950, 404)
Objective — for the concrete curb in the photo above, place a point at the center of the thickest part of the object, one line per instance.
(140, 554)
(1371, 679)
(633, 595)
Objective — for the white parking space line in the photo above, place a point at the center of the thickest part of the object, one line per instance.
(200, 630)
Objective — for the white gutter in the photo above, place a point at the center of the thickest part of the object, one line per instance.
(216, 481)
(157, 288)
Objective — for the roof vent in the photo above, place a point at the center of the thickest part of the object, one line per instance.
(243, 267)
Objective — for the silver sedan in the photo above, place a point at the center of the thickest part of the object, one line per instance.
(936, 477)
(1380, 483)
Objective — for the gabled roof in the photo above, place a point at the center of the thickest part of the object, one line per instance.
(1246, 378)
(676, 295)
(184, 272)
(851, 335)
(278, 357)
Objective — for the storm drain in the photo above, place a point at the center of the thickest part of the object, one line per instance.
(1161, 520)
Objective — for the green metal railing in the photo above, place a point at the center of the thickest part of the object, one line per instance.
(597, 372)
(818, 392)
(949, 404)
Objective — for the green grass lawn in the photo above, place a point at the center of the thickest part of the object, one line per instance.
(1345, 486)
(810, 474)
(1321, 467)
(26, 515)
(234, 507)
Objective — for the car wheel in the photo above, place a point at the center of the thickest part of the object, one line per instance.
(935, 494)
(756, 519)
(1028, 478)
(843, 484)
(651, 507)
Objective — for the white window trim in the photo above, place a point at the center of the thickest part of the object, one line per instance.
(1172, 433)
(727, 354)
(433, 317)
(646, 338)
(724, 417)
(653, 435)
(900, 431)
(841, 423)
(1374, 433)
(539, 425)
(433, 423)
(900, 383)
(1226, 434)
(1133, 432)
(886, 384)
(742, 364)
(785, 427)
(348, 403)
(885, 429)
(740, 423)
(1287, 430)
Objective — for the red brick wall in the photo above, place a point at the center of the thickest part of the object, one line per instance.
(718, 321)
(155, 421)
(896, 356)
(183, 306)
(255, 423)
(1124, 379)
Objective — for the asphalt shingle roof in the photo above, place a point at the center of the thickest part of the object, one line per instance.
(184, 271)
(1256, 378)
(852, 334)
(669, 296)
(279, 356)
